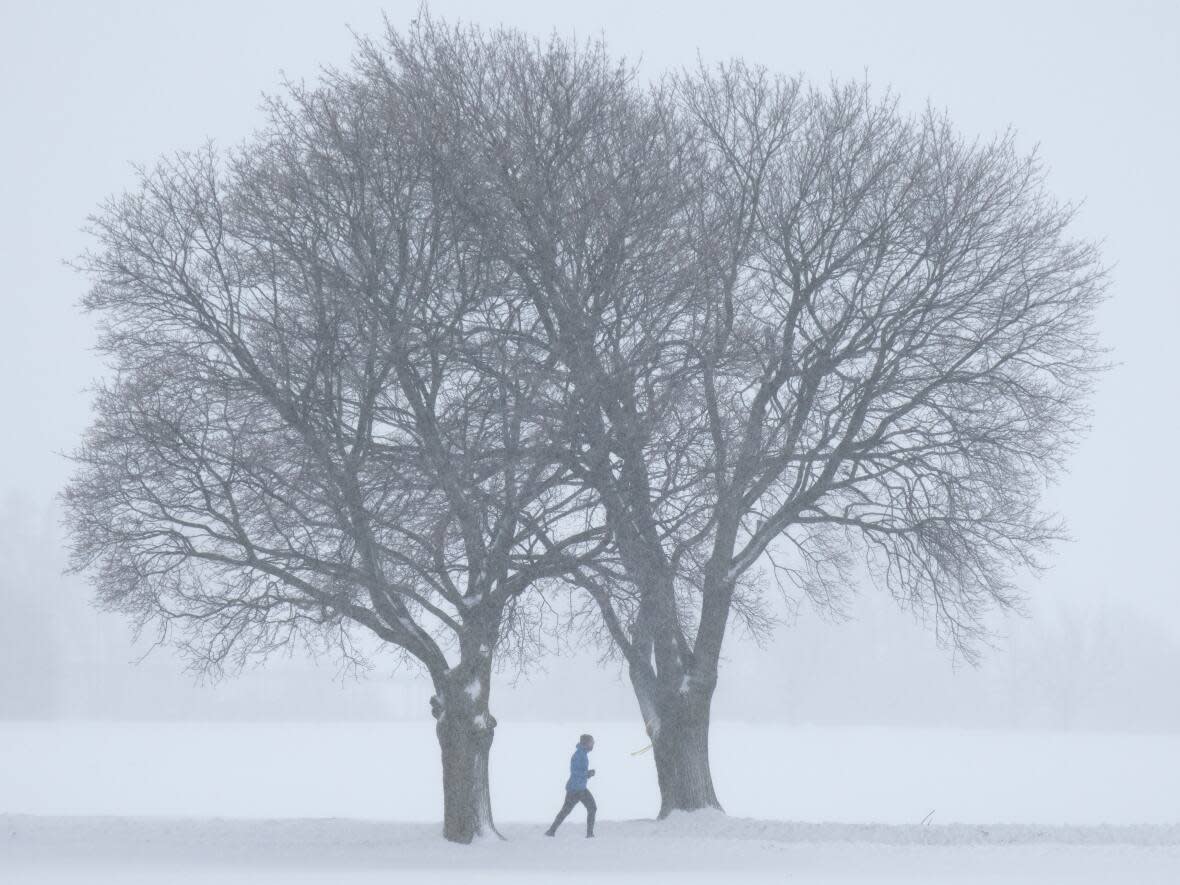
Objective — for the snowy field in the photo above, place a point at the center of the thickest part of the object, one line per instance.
(696, 848)
(356, 802)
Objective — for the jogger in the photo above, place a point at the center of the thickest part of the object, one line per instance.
(575, 787)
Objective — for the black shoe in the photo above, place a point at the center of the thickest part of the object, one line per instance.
(550, 833)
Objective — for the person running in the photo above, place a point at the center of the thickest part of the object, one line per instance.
(575, 787)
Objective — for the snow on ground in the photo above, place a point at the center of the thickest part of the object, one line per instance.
(357, 803)
(696, 848)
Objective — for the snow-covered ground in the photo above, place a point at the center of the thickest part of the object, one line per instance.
(353, 803)
(698, 848)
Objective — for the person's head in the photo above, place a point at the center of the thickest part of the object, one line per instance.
(586, 741)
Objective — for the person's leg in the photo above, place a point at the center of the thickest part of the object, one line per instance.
(571, 799)
(591, 809)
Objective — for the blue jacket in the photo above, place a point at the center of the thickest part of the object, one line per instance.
(579, 766)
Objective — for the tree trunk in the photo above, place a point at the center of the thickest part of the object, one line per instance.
(678, 722)
(465, 731)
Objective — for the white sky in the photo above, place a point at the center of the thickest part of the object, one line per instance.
(88, 88)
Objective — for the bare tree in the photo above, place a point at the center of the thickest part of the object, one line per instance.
(483, 313)
(794, 326)
(310, 431)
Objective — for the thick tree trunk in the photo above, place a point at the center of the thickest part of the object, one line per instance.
(678, 723)
(465, 731)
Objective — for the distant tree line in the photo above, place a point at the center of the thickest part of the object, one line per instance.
(480, 321)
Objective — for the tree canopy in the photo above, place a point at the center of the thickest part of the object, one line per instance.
(481, 319)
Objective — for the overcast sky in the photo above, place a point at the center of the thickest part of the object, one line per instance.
(87, 89)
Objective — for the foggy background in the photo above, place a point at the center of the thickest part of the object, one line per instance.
(86, 90)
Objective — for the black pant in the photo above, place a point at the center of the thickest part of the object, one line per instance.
(572, 798)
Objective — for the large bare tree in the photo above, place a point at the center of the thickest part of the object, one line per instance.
(310, 430)
(483, 312)
(797, 329)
